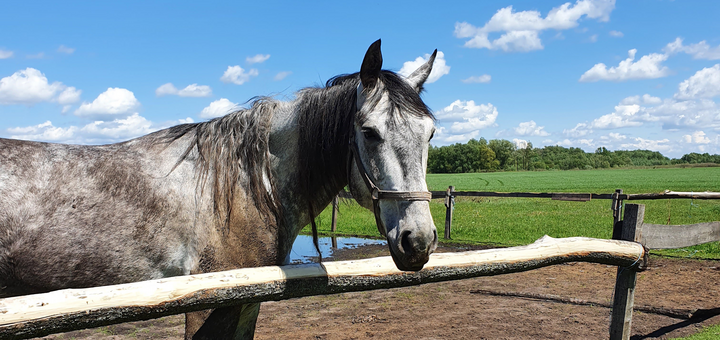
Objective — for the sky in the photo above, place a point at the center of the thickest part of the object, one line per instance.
(625, 75)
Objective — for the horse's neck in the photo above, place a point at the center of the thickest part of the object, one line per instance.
(283, 144)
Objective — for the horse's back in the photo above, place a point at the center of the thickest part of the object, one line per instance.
(78, 216)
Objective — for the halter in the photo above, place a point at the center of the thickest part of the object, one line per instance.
(376, 193)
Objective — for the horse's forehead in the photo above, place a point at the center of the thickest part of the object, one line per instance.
(383, 117)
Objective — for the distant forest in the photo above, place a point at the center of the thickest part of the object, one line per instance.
(502, 155)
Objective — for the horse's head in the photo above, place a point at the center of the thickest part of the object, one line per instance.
(389, 145)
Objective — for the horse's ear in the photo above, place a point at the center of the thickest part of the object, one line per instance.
(372, 63)
(418, 78)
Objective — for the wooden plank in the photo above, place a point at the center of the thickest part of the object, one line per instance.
(571, 197)
(70, 309)
(706, 195)
(660, 236)
(626, 278)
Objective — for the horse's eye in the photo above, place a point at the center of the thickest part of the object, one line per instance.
(432, 134)
(371, 135)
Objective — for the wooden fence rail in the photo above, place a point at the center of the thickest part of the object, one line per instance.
(41, 314)
(617, 198)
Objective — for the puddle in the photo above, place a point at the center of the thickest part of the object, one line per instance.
(303, 250)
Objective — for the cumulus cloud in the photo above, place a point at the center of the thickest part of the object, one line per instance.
(485, 78)
(237, 75)
(30, 86)
(622, 117)
(703, 84)
(531, 129)
(439, 69)
(96, 132)
(466, 116)
(697, 137)
(65, 49)
(282, 75)
(581, 129)
(218, 108)
(616, 34)
(442, 136)
(192, 90)
(115, 102)
(700, 50)
(648, 67)
(645, 99)
(662, 145)
(520, 30)
(5, 54)
(258, 58)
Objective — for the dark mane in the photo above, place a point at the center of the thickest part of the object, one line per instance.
(228, 147)
(326, 117)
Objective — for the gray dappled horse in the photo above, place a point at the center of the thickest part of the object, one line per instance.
(228, 193)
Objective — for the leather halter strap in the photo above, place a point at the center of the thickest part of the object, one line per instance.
(376, 193)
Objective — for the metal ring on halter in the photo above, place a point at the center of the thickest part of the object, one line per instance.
(376, 193)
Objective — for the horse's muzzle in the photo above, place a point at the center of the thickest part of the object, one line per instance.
(411, 249)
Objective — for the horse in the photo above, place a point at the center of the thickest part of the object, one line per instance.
(227, 193)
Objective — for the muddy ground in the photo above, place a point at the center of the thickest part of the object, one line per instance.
(451, 310)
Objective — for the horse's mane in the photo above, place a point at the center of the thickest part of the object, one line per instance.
(232, 146)
(237, 144)
(326, 116)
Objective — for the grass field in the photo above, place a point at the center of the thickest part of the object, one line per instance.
(517, 221)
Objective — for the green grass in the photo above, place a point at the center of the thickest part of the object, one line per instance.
(708, 333)
(517, 221)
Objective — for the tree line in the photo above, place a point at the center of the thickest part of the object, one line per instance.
(500, 154)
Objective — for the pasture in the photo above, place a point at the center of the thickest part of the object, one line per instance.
(516, 221)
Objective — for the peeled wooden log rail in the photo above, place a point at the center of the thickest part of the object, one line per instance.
(60, 311)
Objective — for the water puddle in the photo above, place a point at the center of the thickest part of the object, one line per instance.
(303, 250)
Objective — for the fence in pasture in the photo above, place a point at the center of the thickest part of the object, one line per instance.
(618, 198)
(41, 314)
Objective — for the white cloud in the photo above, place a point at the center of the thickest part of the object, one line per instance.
(93, 133)
(661, 145)
(648, 67)
(593, 38)
(485, 78)
(645, 99)
(521, 29)
(30, 86)
(520, 143)
(439, 68)
(258, 58)
(700, 50)
(616, 34)
(531, 129)
(703, 84)
(4, 54)
(192, 90)
(581, 129)
(65, 49)
(697, 137)
(623, 116)
(282, 75)
(442, 137)
(44, 132)
(69, 95)
(218, 108)
(115, 102)
(166, 89)
(466, 116)
(237, 75)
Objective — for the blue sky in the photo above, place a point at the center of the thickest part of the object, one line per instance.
(639, 74)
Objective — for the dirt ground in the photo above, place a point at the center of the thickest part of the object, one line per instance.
(450, 310)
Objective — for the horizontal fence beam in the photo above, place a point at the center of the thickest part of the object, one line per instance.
(573, 196)
(70, 309)
(661, 236)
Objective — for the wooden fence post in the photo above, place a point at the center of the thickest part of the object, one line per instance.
(626, 278)
(449, 204)
(616, 207)
(333, 226)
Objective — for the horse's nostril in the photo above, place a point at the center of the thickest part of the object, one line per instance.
(435, 238)
(405, 245)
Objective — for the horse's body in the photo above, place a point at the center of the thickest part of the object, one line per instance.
(229, 193)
